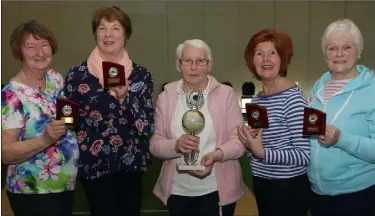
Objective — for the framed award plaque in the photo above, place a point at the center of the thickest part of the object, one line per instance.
(257, 116)
(113, 74)
(314, 122)
(67, 110)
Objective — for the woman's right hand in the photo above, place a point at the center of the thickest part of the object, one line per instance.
(54, 130)
(187, 143)
(252, 131)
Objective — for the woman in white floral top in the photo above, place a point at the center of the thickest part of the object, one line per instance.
(41, 152)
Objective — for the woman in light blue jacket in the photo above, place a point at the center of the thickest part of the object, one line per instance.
(342, 168)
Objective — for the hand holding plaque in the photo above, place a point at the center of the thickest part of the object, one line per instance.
(314, 122)
(257, 116)
(67, 110)
(113, 74)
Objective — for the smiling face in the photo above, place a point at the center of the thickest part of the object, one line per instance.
(194, 65)
(110, 37)
(36, 53)
(266, 61)
(341, 53)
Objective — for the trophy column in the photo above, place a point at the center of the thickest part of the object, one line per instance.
(193, 122)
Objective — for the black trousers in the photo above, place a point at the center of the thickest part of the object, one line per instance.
(361, 203)
(116, 194)
(282, 197)
(54, 204)
(4, 171)
(198, 206)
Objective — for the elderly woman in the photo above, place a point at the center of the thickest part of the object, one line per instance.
(41, 153)
(114, 123)
(215, 190)
(342, 170)
(279, 154)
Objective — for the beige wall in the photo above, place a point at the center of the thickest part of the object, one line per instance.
(159, 26)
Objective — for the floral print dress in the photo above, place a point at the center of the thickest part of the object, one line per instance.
(53, 170)
(112, 137)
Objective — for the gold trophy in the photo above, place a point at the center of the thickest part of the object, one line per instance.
(193, 122)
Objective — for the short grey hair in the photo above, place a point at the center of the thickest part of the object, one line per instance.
(344, 27)
(197, 43)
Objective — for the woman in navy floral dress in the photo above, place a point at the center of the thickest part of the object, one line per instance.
(114, 124)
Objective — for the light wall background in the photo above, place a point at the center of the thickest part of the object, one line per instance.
(159, 26)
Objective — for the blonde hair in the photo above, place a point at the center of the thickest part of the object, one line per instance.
(197, 43)
(344, 27)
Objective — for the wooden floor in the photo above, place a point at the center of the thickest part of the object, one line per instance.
(5, 208)
(245, 207)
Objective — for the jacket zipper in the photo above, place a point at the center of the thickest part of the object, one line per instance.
(317, 154)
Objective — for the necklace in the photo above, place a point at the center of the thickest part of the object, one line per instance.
(195, 99)
(39, 86)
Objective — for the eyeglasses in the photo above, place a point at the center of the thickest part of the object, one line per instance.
(198, 62)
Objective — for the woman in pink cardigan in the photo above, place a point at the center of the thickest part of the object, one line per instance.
(215, 189)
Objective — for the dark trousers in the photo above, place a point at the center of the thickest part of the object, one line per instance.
(116, 194)
(361, 203)
(53, 204)
(198, 206)
(282, 197)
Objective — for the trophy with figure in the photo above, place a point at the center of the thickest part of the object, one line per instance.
(193, 122)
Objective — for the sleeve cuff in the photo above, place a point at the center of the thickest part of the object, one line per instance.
(226, 154)
(172, 150)
(341, 142)
(267, 156)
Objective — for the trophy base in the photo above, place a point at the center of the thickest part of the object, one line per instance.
(183, 167)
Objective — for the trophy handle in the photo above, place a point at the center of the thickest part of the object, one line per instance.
(192, 157)
(194, 154)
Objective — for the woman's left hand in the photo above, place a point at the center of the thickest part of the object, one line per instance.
(210, 158)
(202, 173)
(208, 161)
(331, 136)
(120, 91)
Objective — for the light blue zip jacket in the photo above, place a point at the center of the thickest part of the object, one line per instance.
(349, 165)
